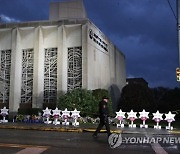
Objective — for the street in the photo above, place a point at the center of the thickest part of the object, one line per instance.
(51, 142)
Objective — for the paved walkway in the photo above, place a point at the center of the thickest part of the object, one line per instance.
(82, 128)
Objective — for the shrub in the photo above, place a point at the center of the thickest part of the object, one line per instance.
(86, 101)
(81, 99)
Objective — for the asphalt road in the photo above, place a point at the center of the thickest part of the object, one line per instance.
(52, 142)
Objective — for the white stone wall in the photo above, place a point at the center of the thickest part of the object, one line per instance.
(97, 62)
(72, 37)
(100, 68)
(67, 10)
(4, 37)
(104, 67)
(16, 68)
(120, 75)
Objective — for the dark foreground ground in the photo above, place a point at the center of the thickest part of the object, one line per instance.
(50, 139)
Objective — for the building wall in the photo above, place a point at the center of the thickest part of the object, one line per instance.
(102, 64)
(67, 10)
(5, 65)
(98, 60)
(72, 39)
(106, 64)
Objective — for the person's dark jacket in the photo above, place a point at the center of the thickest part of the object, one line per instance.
(103, 108)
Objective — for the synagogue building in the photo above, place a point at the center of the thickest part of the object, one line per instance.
(41, 59)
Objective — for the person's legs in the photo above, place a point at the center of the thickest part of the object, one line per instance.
(100, 126)
(106, 123)
(108, 128)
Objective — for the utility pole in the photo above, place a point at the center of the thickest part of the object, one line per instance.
(178, 28)
(178, 35)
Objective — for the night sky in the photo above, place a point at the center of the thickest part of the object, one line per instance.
(144, 30)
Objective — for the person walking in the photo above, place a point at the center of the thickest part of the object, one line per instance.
(103, 115)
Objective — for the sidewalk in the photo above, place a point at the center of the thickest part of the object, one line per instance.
(52, 127)
(83, 128)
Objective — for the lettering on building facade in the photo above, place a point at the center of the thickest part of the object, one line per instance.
(93, 36)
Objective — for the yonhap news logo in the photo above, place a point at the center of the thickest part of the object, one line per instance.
(115, 140)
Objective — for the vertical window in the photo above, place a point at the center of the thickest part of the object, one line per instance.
(5, 75)
(74, 68)
(27, 76)
(50, 75)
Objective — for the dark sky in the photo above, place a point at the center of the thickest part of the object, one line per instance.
(144, 30)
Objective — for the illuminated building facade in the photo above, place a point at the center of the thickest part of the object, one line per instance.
(41, 59)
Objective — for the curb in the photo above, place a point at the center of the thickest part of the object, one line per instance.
(174, 132)
(101, 131)
(59, 129)
(77, 129)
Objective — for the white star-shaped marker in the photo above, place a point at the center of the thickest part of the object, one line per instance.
(4, 110)
(47, 111)
(120, 114)
(56, 112)
(75, 113)
(66, 113)
(170, 116)
(132, 114)
(157, 115)
(144, 114)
